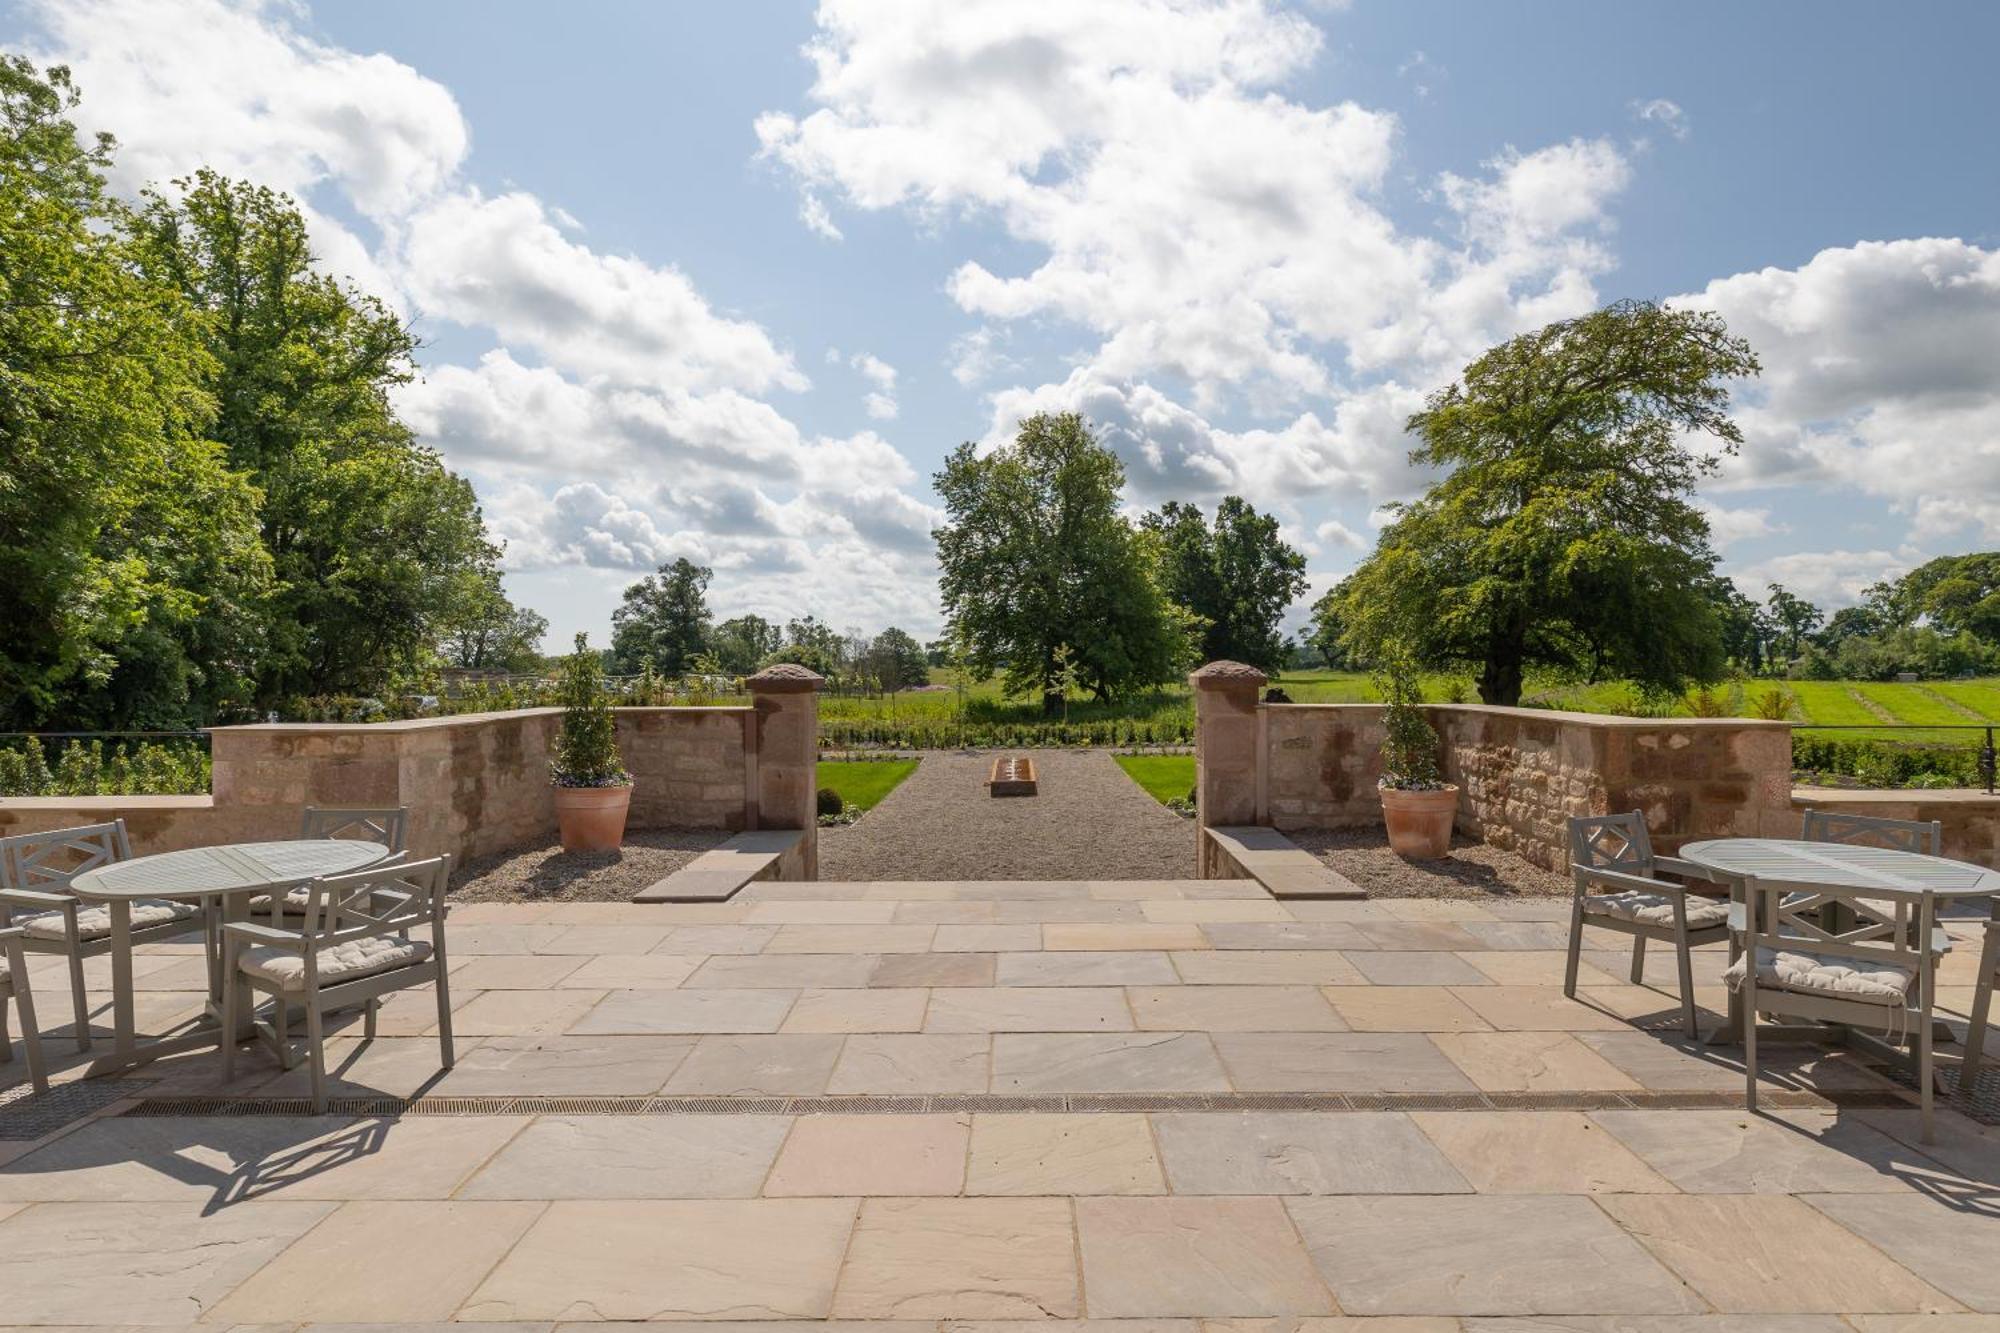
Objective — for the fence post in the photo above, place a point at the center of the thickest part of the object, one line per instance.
(1225, 751)
(786, 697)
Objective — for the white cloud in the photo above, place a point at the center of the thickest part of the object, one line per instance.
(1727, 527)
(813, 213)
(1879, 374)
(880, 402)
(1335, 533)
(1830, 579)
(1667, 115)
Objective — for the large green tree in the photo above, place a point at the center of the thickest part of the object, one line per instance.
(741, 643)
(895, 661)
(131, 578)
(376, 545)
(663, 620)
(1794, 615)
(1237, 575)
(490, 633)
(1042, 575)
(1562, 533)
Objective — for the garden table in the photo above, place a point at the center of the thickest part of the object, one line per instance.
(229, 875)
(1790, 862)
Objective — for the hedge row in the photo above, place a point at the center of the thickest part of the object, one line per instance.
(88, 768)
(1886, 764)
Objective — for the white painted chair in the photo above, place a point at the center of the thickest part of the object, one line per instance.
(14, 986)
(1615, 854)
(1864, 958)
(1982, 1009)
(353, 947)
(1924, 836)
(35, 874)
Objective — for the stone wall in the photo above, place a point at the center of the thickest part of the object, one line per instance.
(1521, 772)
(475, 784)
(1971, 819)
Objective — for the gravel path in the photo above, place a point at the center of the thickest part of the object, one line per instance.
(1469, 870)
(551, 875)
(1089, 821)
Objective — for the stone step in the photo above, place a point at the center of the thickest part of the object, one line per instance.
(1285, 869)
(715, 876)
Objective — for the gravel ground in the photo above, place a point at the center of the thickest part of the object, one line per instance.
(1470, 870)
(1089, 821)
(551, 875)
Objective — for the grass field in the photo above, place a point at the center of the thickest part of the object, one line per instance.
(864, 782)
(1166, 777)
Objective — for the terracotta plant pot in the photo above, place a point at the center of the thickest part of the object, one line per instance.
(592, 819)
(1419, 821)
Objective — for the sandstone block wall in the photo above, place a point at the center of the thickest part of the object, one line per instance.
(1523, 772)
(475, 784)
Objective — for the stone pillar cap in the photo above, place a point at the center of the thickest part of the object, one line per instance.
(785, 678)
(1222, 675)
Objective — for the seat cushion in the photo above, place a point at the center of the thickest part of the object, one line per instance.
(1656, 909)
(350, 960)
(94, 923)
(1824, 974)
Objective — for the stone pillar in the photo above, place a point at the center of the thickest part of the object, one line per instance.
(1225, 751)
(786, 697)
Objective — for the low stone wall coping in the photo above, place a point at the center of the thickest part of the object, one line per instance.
(1607, 721)
(460, 720)
(107, 803)
(1823, 796)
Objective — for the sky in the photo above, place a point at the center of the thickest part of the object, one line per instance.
(730, 281)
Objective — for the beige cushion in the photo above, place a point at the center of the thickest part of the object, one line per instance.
(349, 960)
(1656, 909)
(1824, 974)
(94, 923)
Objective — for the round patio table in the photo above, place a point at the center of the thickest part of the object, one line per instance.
(1832, 865)
(230, 874)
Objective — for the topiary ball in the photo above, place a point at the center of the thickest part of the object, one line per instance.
(829, 801)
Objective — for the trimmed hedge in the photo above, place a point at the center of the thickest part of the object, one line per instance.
(1886, 763)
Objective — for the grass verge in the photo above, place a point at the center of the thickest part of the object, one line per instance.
(1166, 777)
(863, 782)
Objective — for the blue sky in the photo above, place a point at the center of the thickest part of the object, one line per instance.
(686, 290)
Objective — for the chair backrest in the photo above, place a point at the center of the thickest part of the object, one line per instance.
(384, 826)
(380, 900)
(1898, 835)
(1611, 842)
(48, 861)
(1880, 927)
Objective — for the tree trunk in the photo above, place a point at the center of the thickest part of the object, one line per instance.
(1500, 678)
(1052, 703)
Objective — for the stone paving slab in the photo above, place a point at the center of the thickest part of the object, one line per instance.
(1104, 1214)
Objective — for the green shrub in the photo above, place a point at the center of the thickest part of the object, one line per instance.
(1410, 747)
(1884, 763)
(587, 750)
(828, 801)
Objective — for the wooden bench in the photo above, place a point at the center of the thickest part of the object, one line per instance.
(1286, 870)
(715, 876)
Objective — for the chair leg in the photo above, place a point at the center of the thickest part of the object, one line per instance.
(232, 996)
(445, 1045)
(368, 1019)
(1638, 959)
(1926, 1078)
(316, 1055)
(79, 1000)
(281, 1017)
(1684, 956)
(31, 1033)
(1575, 947)
(1750, 1044)
(1975, 1036)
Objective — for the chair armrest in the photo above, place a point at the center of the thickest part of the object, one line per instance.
(8, 934)
(253, 933)
(38, 900)
(1625, 881)
(1673, 865)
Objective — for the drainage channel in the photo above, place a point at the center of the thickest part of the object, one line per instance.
(1053, 1104)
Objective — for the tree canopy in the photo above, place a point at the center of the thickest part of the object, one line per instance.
(1237, 575)
(1042, 575)
(1562, 532)
(663, 620)
(210, 504)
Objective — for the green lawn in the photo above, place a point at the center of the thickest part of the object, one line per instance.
(1166, 777)
(863, 782)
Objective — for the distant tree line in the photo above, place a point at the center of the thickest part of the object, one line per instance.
(207, 504)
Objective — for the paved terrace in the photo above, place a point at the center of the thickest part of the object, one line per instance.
(981, 1103)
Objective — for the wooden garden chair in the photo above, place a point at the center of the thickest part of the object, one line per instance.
(388, 826)
(35, 874)
(1982, 1009)
(14, 986)
(353, 946)
(1876, 970)
(1924, 836)
(1613, 853)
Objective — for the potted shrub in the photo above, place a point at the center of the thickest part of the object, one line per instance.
(593, 790)
(1417, 803)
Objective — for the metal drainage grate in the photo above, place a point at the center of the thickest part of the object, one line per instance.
(26, 1114)
(1053, 1103)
